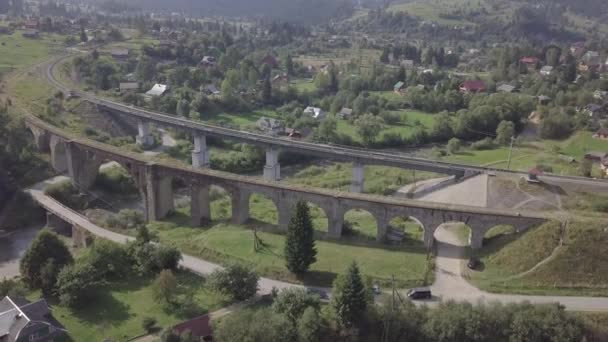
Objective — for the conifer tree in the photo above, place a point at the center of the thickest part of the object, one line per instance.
(349, 298)
(300, 250)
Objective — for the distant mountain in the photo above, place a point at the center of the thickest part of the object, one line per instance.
(301, 11)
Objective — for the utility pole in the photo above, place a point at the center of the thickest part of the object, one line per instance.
(510, 153)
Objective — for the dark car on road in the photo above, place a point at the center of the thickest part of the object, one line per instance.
(319, 292)
(473, 263)
(420, 293)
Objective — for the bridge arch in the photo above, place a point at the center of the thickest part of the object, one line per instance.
(263, 208)
(360, 222)
(59, 155)
(406, 229)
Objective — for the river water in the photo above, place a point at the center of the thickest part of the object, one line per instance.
(12, 248)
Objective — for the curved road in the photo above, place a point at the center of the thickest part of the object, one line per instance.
(449, 283)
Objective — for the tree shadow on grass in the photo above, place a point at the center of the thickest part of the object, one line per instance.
(104, 309)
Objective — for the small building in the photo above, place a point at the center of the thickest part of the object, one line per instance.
(506, 88)
(345, 113)
(128, 86)
(547, 70)
(600, 94)
(271, 126)
(533, 175)
(280, 79)
(472, 86)
(577, 49)
(32, 34)
(399, 87)
(594, 110)
(33, 24)
(544, 100)
(199, 328)
(211, 89)
(408, 64)
(314, 112)
(120, 54)
(530, 62)
(21, 320)
(208, 62)
(601, 134)
(293, 133)
(157, 90)
(596, 156)
(592, 58)
(271, 60)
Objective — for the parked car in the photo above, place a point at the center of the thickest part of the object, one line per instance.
(473, 263)
(420, 293)
(321, 293)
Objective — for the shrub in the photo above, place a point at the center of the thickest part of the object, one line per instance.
(149, 324)
(66, 193)
(482, 145)
(236, 281)
(116, 180)
(126, 219)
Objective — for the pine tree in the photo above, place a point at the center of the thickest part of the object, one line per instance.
(289, 65)
(300, 251)
(83, 35)
(349, 299)
(267, 90)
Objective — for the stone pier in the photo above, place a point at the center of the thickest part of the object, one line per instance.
(272, 169)
(358, 177)
(200, 154)
(159, 194)
(144, 135)
(200, 205)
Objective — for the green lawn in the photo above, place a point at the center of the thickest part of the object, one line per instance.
(226, 243)
(117, 311)
(17, 52)
(410, 121)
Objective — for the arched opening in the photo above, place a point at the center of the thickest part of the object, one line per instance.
(406, 230)
(452, 240)
(262, 209)
(60, 158)
(319, 218)
(221, 203)
(116, 188)
(361, 223)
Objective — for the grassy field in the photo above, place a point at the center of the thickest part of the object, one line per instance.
(226, 243)
(530, 154)
(435, 10)
(17, 52)
(117, 311)
(579, 266)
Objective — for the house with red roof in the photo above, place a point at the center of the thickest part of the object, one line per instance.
(271, 60)
(530, 62)
(199, 327)
(472, 86)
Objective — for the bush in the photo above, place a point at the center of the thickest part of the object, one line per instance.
(116, 180)
(236, 281)
(149, 324)
(66, 193)
(483, 145)
(556, 126)
(126, 219)
(390, 118)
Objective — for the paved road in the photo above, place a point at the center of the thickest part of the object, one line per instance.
(449, 283)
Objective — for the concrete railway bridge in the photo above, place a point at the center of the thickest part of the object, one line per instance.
(81, 160)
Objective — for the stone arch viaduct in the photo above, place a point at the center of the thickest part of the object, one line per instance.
(81, 159)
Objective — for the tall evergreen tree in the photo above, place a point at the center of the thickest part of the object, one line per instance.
(349, 298)
(83, 35)
(289, 65)
(300, 250)
(267, 90)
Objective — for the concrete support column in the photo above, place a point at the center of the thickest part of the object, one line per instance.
(56, 224)
(476, 238)
(240, 206)
(272, 169)
(200, 154)
(429, 236)
(382, 229)
(335, 223)
(200, 205)
(144, 135)
(358, 178)
(79, 237)
(82, 167)
(159, 194)
(285, 211)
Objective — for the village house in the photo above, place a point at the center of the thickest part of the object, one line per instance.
(408, 64)
(32, 34)
(271, 126)
(128, 86)
(531, 63)
(601, 134)
(120, 55)
(399, 87)
(21, 320)
(345, 113)
(506, 88)
(199, 328)
(596, 156)
(547, 70)
(211, 90)
(208, 62)
(157, 90)
(32, 24)
(600, 94)
(592, 58)
(271, 61)
(472, 86)
(544, 100)
(594, 110)
(281, 79)
(314, 112)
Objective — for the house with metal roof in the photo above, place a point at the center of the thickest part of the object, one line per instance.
(21, 320)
